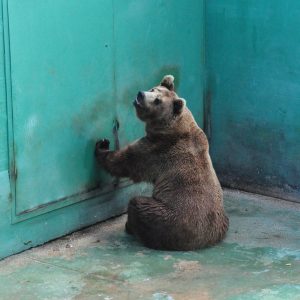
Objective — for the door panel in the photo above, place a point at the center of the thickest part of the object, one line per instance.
(62, 97)
(154, 39)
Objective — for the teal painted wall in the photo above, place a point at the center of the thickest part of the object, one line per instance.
(154, 38)
(253, 94)
(102, 70)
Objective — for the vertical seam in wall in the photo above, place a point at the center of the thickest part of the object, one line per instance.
(6, 60)
(206, 93)
(9, 105)
(4, 83)
(204, 61)
(114, 60)
(116, 121)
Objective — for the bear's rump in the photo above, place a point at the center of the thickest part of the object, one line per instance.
(162, 228)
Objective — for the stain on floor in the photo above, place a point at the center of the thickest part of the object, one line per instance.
(259, 259)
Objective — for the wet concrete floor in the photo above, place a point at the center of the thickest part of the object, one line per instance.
(259, 259)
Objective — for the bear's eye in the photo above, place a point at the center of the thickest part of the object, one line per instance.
(157, 101)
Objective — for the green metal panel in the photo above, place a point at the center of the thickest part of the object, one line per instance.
(155, 38)
(42, 228)
(70, 72)
(62, 96)
(252, 94)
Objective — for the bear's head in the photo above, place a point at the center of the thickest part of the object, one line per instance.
(159, 105)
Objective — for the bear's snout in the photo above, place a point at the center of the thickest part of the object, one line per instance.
(140, 96)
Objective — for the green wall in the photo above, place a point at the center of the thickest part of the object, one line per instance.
(253, 94)
(155, 38)
(75, 66)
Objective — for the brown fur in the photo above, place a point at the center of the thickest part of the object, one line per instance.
(186, 210)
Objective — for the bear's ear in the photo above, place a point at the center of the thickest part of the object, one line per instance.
(168, 82)
(178, 106)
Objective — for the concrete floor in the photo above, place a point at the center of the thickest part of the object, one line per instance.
(260, 259)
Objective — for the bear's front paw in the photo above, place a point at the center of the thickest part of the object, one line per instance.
(102, 145)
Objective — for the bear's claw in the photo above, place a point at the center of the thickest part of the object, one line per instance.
(102, 145)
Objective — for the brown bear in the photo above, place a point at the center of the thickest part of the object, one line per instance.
(186, 209)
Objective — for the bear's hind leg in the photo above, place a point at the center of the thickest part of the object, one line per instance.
(147, 219)
(127, 228)
(136, 205)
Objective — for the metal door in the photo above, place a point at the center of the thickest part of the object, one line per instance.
(72, 69)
